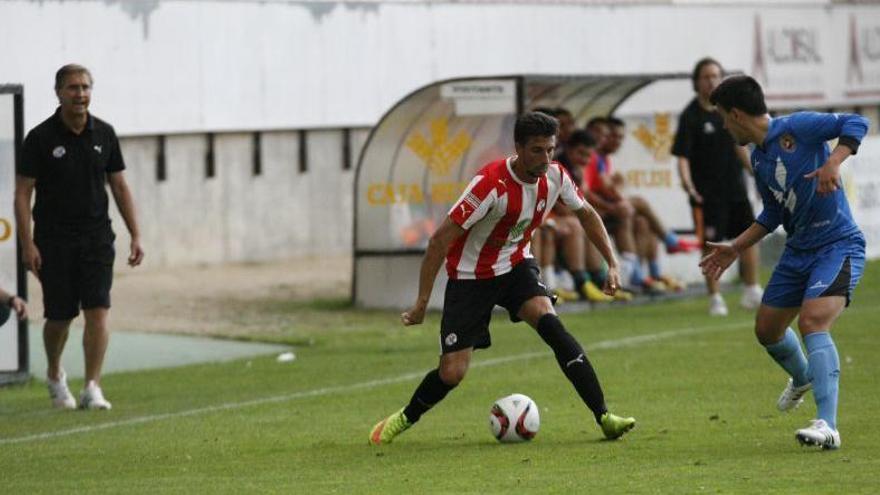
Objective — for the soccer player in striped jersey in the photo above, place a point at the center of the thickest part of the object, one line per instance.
(485, 244)
(799, 180)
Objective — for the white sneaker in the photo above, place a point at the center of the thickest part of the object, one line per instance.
(91, 397)
(717, 306)
(819, 434)
(751, 297)
(792, 396)
(59, 393)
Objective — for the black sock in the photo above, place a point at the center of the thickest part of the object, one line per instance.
(431, 391)
(574, 363)
(580, 277)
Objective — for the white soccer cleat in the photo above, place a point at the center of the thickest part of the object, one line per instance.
(819, 434)
(792, 396)
(751, 297)
(93, 398)
(717, 306)
(59, 393)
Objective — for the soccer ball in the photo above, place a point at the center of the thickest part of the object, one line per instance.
(514, 418)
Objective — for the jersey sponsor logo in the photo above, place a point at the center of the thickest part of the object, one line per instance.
(59, 151)
(513, 237)
(787, 143)
(517, 231)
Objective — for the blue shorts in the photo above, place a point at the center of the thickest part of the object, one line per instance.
(831, 270)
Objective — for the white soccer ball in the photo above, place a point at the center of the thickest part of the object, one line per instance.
(514, 418)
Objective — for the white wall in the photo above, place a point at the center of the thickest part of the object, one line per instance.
(163, 66)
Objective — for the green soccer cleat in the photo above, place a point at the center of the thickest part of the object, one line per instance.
(614, 426)
(388, 428)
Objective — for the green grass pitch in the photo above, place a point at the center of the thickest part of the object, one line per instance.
(703, 392)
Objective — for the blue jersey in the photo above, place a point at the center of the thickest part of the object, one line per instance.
(795, 146)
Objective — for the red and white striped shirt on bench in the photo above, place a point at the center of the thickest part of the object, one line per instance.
(500, 212)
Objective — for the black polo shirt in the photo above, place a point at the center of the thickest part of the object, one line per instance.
(71, 175)
(716, 170)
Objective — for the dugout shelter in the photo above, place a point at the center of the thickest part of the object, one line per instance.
(426, 148)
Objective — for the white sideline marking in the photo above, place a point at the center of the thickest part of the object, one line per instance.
(605, 344)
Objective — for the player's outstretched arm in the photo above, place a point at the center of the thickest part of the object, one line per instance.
(438, 246)
(723, 254)
(828, 175)
(814, 127)
(595, 229)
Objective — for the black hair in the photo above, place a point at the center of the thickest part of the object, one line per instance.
(545, 110)
(580, 137)
(596, 121)
(532, 124)
(67, 70)
(615, 122)
(695, 75)
(742, 92)
(559, 111)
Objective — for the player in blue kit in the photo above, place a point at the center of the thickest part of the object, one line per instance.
(799, 180)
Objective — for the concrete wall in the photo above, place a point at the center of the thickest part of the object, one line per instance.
(236, 216)
(164, 66)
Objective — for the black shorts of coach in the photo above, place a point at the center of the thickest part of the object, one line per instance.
(468, 306)
(722, 220)
(76, 272)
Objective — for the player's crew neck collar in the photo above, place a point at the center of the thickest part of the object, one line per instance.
(510, 171)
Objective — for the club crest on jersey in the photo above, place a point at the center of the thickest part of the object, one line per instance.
(787, 143)
(59, 151)
(708, 128)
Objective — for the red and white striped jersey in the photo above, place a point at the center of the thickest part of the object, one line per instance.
(499, 213)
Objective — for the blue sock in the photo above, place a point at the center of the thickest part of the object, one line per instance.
(788, 353)
(670, 239)
(654, 269)
(825, 374)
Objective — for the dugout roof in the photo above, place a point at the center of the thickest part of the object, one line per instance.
(426, 148)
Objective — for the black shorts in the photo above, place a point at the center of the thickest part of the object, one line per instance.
(76, 272)
(716, 222)
(468, 305)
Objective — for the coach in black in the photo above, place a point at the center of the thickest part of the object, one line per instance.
(710, 165)
(69, 158)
